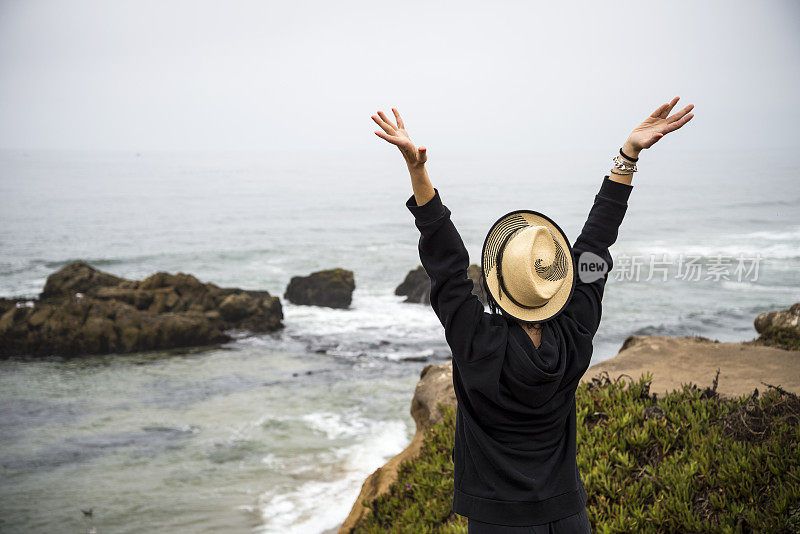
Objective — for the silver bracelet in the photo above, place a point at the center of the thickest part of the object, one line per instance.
(623, 166)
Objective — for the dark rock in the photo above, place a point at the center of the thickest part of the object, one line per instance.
(238, 306)
(779, 319)
(77, 277)
(416, 286)
(476, 273)
(332, 288)
(86, 311)
(7, 304)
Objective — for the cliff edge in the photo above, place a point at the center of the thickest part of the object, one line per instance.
(743, 367)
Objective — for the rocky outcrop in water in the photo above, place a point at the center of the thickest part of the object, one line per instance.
(85, 311)
(435, 387)
(779, 319)
(416, 286)
(332, 288)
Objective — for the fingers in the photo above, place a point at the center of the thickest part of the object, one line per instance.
(677, 124)
(671, 105)
(393, 140)
(423, 154)
(664, 109)
(386, 120)
(680, 114)
(389, 129)
(658, 111)
(399, 120)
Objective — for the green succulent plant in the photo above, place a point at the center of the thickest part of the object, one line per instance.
(690, 461)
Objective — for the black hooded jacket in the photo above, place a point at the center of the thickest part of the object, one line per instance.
(515, 436)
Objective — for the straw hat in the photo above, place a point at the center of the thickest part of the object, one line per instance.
(528, 266)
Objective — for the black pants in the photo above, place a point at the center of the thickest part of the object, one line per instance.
(574, 524)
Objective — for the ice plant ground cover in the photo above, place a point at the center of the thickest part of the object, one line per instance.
(688, 461)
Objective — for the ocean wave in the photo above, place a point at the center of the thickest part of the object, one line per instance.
(791, 234)
(765, 203)
(749, 251)
(750, 286)
(779, 245)
(377, 325)
(336, 425)
(271, 461)
(338, 482)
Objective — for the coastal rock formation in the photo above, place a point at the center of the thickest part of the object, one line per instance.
(85, 311)
(779, 319)
(417, 285)
(7, 304)
(77, 277)
(678, 360)
(332, 288)
(435, 387)
(474, 272)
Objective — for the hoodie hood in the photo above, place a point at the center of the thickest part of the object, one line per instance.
(533, 375)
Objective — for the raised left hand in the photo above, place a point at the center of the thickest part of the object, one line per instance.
(658, 124)
(397, 135)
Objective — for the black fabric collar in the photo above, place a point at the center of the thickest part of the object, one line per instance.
(526, 339)
(546, 357)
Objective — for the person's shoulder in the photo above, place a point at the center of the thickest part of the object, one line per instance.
(489, 338)
(496, 325)
(567, 325)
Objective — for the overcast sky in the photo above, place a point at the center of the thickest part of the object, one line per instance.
(263, 75)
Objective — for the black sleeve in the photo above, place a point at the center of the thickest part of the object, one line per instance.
(598, 234)
(444, 257)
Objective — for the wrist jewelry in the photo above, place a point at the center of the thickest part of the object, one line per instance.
(623, 166)
(621, 153)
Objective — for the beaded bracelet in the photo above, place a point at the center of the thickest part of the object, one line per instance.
(624, 166)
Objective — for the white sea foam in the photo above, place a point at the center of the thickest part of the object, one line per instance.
(791, 234)
(272, 461)
(779, 245)
(749, 286)
(321, 504)
(377, 324)
(336, 425)
(748, 250)
(368, 311)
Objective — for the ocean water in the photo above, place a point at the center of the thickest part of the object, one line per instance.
(276, 432)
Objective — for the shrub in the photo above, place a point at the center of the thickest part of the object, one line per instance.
(691, 461)
(781, 337)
